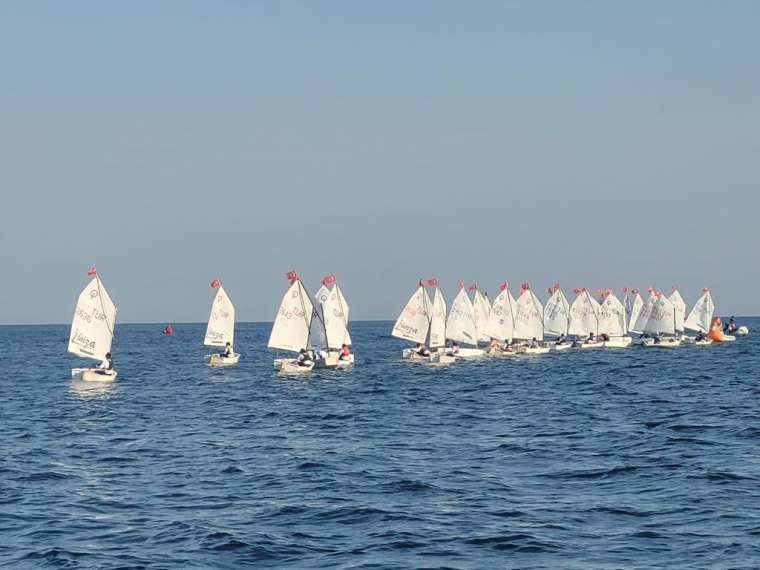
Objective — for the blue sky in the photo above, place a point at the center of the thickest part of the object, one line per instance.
(598, 144)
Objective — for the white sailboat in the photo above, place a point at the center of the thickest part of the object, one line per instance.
(221, 327)
(501, 320)
(482, 310)
(662, 321)
(461, 325)
(584, 319)
(529, 321)
(612, 322)
(633, 305)
(557, 316)
(92, 329)
(292, 326)
(437, 318)
(700, 317)
(680, 308)
(334, 314)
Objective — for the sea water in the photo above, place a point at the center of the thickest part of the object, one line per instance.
(627, 458)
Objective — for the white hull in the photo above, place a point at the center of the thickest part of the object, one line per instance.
(564, 346)
(537, 350)
(742, 331)
(594, 344)
(705, 342)
(664, 343)
(469, 353)
(618, 342)
(499, 352)
(728, 338)
(290, 365)
(219, 360)
(93, 375)
(439, 357)
(333, 361)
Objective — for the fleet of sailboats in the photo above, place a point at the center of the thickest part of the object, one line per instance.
(316, 333)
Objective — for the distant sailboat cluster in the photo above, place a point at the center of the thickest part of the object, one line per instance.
(314, 330)
(525, 325)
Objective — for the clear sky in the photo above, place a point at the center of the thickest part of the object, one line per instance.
(169, 142)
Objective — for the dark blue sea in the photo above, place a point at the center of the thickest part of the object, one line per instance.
(632, 458)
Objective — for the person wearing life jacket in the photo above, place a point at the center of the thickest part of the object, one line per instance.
(533, 343)
(227, 351)
(562, 339)
(106, 366)
(590, 339)
(455, 348)
(700, 337)
(422, 350)
(345, 353)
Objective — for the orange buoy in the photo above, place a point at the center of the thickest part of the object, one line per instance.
(716, 333)
(168, 329)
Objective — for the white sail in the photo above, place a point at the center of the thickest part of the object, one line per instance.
(700, 317)
(640, 324)
(612, 317)
(680, 307)
(438, 320)
(414, 321)
(335, 319)
(662, 318)
(529, 317)
(634, 311)
(346, 310)
(584, 315)
(322, 294)
(501, 321)
(556, 314)
(482, 310)
(293, 321)
(460, 326)
(221, 321)
(93, 324)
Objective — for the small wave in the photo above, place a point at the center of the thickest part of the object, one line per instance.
(593, 473)
(44, 476)
(519, 542)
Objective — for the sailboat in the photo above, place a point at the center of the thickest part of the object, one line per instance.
(662, 321)
(221, 327)
(633, 304)
(680, 310)
(292, 328)
(584, 319)
(423, 321)
(92, 329)
(501, 320)
(529, 321)
(334, 314)
(481, 310)
(612, 322)
(638, 319)
(700, 317)
(461, 325)
(557, 316)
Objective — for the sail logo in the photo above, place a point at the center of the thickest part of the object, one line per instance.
(94, 293)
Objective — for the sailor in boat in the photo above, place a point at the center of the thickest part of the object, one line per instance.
(345, 353)
(730, 327)
(700, 337)
(590, 339)
(657, 338)
(106, 366)
(227, 351)
(562, 339)
(494, 345)
(533, 343)
(422, 350)
(455, 348)
(605, 337)
(304, 358)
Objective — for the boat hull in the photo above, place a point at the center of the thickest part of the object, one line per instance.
(536, 350)
(93, 375)
(664, 343)
(291, 366)
(332, 360)
(618, 342)
(219, 360)
(594, 344)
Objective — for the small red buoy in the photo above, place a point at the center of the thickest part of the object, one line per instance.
(168, 329)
